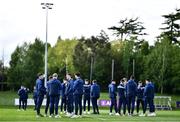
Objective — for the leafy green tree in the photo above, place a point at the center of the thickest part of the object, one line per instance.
(172, 26)
(117, 55)
(141, 50)
(174, 74)
(33, 62)
(26, 61)
(61, 57)
(97, 48)
(128, 28)
(1, 70)
(128, 56)
(16, 70)
(158, 63)
(3, 73)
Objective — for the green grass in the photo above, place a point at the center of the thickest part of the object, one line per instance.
(12, 115)
(9, 113)
(7, 98)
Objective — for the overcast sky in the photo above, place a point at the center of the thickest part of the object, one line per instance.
(24, 20)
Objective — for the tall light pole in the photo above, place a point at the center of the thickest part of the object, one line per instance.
(134, 67)
(91, 69)
(66, 60)
(134, 50)
(112, 72)
(46, 6)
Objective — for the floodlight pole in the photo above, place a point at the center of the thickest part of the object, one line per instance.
(66, 60)
(91, 69)
(46, 6)
(134, 67)
(112, 72)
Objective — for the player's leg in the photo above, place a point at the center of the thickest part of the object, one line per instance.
(119, 105)
(84, 104)
(93, 105)
(111, 106)
(97, 108)
(115, 106)
(20, 103)
(88, 100)
(80, 105)
(137, 105)
(129, 104)
(62, 103)
(25, 104)
(51, 105)
(39, 103)
(56, 106)
(76, 100)
(124, 105)
(47, 104)
(35, 103)
(65, 104)
(133, 104)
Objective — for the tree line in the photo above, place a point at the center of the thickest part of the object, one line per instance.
(160, 62)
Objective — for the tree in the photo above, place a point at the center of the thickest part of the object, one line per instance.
(128, 28)
(1, 70)
(158, 64)
(16, 70)
(61, 57)
(97, 48)
(26, 61)
(128, 55)
(172, 29)
(174, 76)
(33, 62)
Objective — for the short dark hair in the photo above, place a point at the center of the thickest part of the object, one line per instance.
(132, 77)
(78, 74)
(50, 77)
(69, 74)
(147, 79)
(65, 79)
(94, 81)
(39, 74)
(86, 80)
(55, 75)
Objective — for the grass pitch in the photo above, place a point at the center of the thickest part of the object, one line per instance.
(12, 115)
(9, 113)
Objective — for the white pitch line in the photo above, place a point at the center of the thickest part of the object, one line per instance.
(102, 119)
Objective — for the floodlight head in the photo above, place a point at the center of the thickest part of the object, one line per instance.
(49, 3)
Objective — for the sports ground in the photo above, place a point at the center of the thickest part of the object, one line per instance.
(12, 115)
(9, 113)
